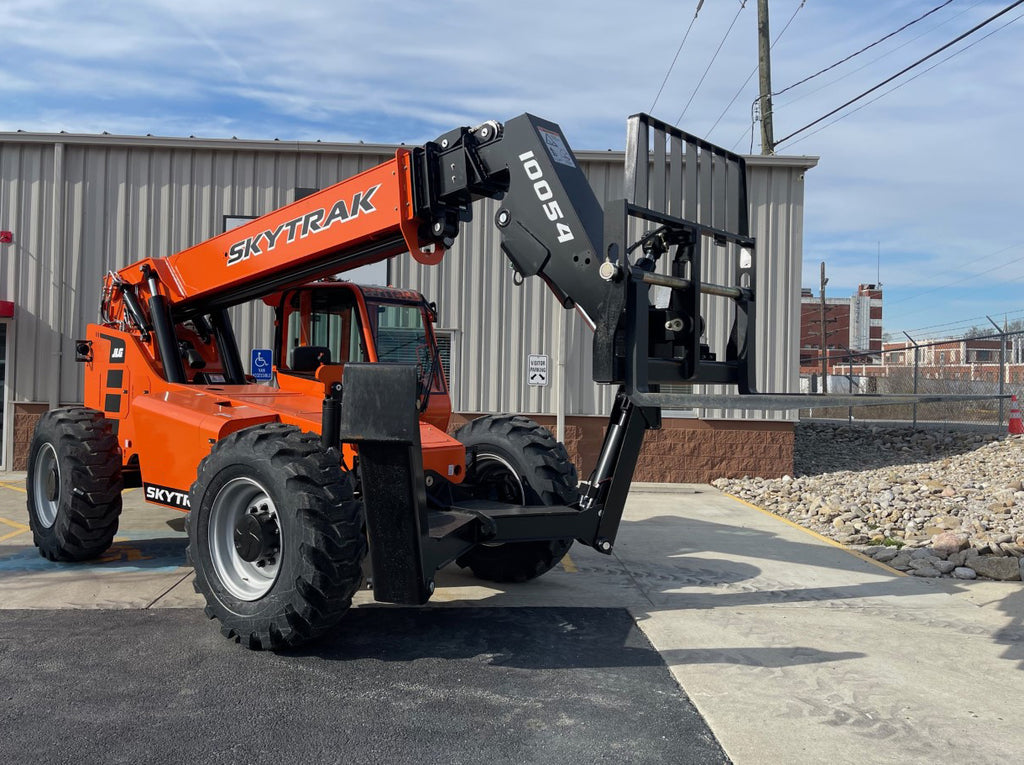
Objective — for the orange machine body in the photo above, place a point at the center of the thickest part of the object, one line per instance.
(165, 429)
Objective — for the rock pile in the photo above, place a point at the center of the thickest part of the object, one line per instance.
(928, 502)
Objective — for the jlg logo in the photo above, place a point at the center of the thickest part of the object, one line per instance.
(117, 353)
(544, 193)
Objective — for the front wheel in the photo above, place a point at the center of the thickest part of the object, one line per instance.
(74, 484)
(513, 459)
(275, 537)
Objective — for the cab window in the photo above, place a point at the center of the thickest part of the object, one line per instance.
(400, 336)
(325, 331)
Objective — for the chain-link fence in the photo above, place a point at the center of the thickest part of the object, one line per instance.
(991, 366)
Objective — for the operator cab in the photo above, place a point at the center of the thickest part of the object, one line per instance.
(322, 326)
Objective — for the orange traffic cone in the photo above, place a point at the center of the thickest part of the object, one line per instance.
(1016, 425)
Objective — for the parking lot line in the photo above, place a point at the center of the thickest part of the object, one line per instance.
(569, 565)
(12, 487)
(819, 537)
(19, 528)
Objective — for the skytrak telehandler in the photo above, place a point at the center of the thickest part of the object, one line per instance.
(288, 484)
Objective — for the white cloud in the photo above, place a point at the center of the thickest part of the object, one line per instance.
(928, 170)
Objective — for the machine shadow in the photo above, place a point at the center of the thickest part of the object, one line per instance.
(1012, 634)
(670, 564)
(528, 638)
(520, 637)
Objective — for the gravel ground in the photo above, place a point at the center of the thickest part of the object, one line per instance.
(928, 502)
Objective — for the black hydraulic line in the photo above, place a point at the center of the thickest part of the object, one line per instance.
(203, 328)
(227, 348)
(611, 479)
(609, 451)
(163, 328)
(134, 309)
(330, 429)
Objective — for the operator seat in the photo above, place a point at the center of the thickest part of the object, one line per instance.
(306, 358)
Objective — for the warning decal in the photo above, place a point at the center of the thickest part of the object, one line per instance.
(556, 147)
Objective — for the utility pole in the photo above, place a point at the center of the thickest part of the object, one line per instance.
(917, 350)
(1002, 362)
(764, 65)
(824, 335)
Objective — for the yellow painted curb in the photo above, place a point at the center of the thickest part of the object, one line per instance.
(816, 535)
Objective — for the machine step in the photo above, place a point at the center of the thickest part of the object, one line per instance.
(447, 523)
(503, 522)
(489, 509)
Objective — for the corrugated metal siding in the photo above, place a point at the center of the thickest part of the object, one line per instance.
(124, 199)
(121, 203)
(28, 265)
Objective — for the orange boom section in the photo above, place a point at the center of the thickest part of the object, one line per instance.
(363, 219)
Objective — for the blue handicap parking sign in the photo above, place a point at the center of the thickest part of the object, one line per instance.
(262, 364)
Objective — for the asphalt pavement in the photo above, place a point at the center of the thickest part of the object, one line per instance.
(715, 632)
(394, 685)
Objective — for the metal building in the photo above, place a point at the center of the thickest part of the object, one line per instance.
(76, 206)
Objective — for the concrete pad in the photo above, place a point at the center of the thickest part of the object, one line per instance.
(793, 649)
(797, 652)
(146, 560)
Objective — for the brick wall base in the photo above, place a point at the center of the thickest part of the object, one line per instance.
(25, 418)
(683, 451)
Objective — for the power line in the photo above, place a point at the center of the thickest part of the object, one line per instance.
(830, 83)
(955, 327)
(880, 96)
(865, 48)
(676, 57)
(754, 70)
(964, 279)
(890, 303)
(903, 71)
(961, 322)
(875, 60)
(743, 4)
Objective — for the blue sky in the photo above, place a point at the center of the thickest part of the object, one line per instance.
(927, 175)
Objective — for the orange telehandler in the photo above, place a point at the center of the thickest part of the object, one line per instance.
(288, 484)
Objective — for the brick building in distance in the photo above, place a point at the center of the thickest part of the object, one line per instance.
(852, 324)
(962, 359)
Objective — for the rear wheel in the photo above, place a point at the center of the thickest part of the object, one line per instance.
(515, 460)
(74, 484)
(275, 537)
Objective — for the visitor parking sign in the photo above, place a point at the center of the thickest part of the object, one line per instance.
(537, 369)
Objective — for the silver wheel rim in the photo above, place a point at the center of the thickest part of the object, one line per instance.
(246, 580)
(488, 466)
(501, 478)
(46, 463)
